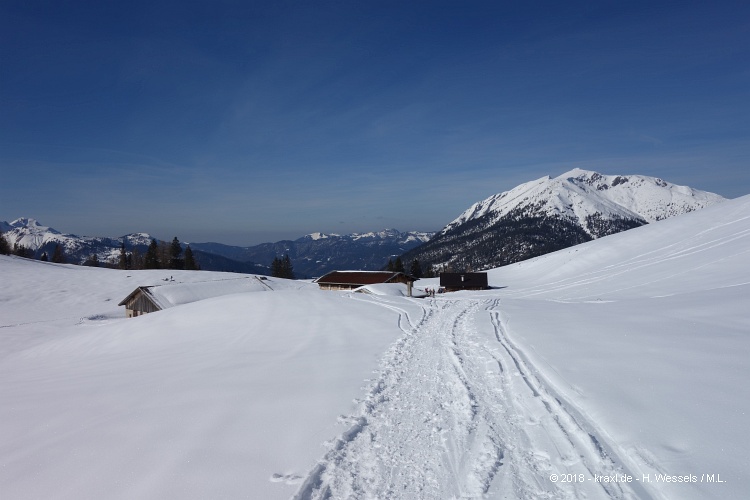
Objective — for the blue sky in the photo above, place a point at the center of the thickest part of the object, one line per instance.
(243, 122)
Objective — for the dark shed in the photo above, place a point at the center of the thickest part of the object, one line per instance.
(463, 281)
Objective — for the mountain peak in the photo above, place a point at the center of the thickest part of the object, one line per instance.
(546, 214)
(26, 222)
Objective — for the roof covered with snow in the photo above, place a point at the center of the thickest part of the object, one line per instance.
(174, 294)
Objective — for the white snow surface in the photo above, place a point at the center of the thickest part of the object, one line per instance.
(625, 356)
(387, 289)
(580, 193)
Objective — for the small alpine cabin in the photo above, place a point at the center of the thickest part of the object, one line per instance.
(349, 280)
(453, 282)
(140, 301)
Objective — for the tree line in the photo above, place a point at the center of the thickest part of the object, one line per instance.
(415, 268)
(159, 255)
(282, 267)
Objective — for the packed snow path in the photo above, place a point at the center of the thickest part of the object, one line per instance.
(457, 413)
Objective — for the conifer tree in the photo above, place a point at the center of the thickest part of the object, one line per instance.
(151, 261)
(164, 254)
(276, 267)
(287, 270)
(398, 266)
(190, 263)
(389, 266)
(415, 269)
(175, 250)
(4, 246)
(57, 256)
(122, 262)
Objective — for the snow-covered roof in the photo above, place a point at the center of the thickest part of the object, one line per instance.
(174, 294)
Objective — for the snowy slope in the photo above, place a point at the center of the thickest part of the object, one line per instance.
(646, 334)
(579, 194)
(230, 397)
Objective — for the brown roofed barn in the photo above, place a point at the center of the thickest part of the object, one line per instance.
(349, 280)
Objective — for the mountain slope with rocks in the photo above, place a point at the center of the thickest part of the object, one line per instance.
(549, 214)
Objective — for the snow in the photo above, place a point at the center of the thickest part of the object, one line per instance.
(226, 397)
(580, 193)
(318, 236)
(389, 289)
(173, 294)
(646, 334)
(625, 357)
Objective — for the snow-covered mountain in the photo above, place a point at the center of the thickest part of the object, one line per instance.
(552, 213)
(40, 239)
(585, 196)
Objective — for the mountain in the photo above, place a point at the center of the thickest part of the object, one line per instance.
(549, 214)
(318, 253)
(40, 239)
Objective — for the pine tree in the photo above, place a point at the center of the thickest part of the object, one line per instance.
(4, 246)
(276, 267)
(164, 254)
(415, 269)
(287, 270)
(57, 256)
(190, 263)
(175, 250)
(122, 262)
(389, 266)
(398, 266)
(151, 261)
(92, 261)
(135, 259)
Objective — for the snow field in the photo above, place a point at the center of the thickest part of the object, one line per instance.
(456, 414)
(229, 397)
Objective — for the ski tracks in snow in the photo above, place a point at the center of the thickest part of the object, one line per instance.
(457, 413)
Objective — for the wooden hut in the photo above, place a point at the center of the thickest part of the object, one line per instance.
(141, 301)
(453, 282)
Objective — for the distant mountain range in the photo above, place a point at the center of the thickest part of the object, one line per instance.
(312, 255)
(316, 254)
(43, 239)
(548, 214)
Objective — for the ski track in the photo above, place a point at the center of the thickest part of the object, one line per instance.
(456, 412)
